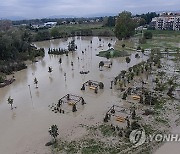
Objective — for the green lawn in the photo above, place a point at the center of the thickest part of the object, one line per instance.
(163, 39)
(113, 53)
(130, 44)
(97, 29)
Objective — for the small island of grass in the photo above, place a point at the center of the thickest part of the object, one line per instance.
(112, 53)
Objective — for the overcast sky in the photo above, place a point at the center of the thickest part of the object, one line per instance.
(46, 8)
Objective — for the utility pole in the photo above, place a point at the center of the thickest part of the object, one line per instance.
(30, 95)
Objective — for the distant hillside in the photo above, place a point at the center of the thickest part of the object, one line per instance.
(177, 11)
(15, 18)
(61, 16)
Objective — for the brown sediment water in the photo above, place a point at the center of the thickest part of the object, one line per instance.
(25, 128)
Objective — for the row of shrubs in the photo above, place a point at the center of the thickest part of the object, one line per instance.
(57, 51)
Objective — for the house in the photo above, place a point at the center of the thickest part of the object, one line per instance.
(72, 23)
(64, 22)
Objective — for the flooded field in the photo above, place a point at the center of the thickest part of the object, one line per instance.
(25, 129)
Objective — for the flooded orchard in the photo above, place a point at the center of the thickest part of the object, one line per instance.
(25, 128)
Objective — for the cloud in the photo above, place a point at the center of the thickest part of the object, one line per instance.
(45, 8)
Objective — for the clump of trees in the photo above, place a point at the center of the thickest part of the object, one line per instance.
(110, 21)
(5, 25)
(55, 33)
(83, 32)
(125, 26)
(148, 16)
(14, 43)
(16, 47)
(42, 35)
(72, 46)
(53, 131)
(128, 60)
(148, 35)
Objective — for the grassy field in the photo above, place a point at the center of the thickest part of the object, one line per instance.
(113, 53)
(119, 51)
(163, 39)
(130, 44)
(97, 29)
(160, 39)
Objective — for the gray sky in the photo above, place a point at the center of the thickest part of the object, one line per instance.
(46, 8)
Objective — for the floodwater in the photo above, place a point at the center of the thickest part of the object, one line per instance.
(25, 128)
(170, 147)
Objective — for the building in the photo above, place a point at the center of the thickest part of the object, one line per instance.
(141, 28)
(64, 22)
(177, 23)
(50, 24)
(167, 21)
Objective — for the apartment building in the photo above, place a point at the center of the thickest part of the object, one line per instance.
(167, 21)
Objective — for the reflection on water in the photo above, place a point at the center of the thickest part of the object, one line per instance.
(32, 118)
(13, 115)
(37, 93)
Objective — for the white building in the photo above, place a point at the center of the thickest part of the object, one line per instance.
(64, 22)
(50, 24)
(177, 23)
(166, 22)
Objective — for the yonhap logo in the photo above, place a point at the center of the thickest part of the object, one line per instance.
(137, 137)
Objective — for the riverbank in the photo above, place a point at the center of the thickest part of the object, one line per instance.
(163, 39)
(6, 82)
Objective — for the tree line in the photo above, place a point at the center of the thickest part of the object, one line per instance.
(141, 19)
(15, 48)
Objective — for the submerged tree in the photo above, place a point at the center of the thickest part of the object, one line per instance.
(50, 69)
(170, 91)
(124, 96)
(53, 131)
(101, 64)
(36, 82)
(10, 101)
(107, 117)
(134, 114)
(128, 60)
(72, 46)
(60, 60)
(123, 45)
(109, 45)
(74, 109)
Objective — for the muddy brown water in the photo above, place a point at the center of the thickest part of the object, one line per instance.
(25, 129)
(170, 147)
